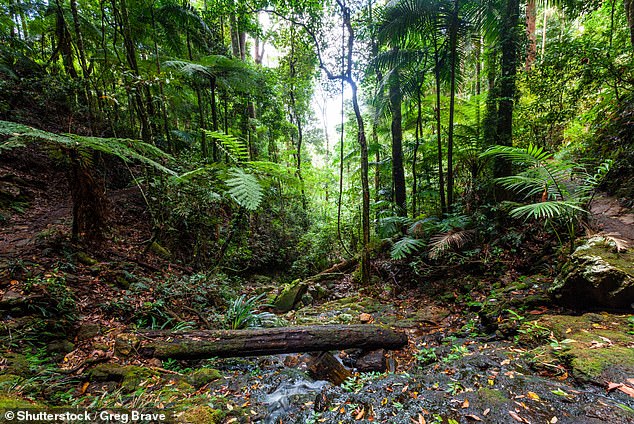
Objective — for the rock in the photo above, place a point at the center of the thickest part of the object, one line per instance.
(596, 348)
(202, 376)
(290, 296)
(60, 346)
(372, 361)
(596, 277)
(201, 414)
(365, 318)
(87, 331)
(129, 376)
(10, 296)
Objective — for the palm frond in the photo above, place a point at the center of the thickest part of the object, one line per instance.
(454, 238)
(546, 210)
(531, 155)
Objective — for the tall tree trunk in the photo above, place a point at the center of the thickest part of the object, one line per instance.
(629, 14)
(64, 44)
(365, 187)
(478, 87)
(531, 23)
(131, 57)
(161, 92)
(509, 63)
(453, 46)
(544, 32)
(398, 173)
(441, 180)
(214, 114)
(419, 123)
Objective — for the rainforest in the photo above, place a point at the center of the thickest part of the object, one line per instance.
(300, 211)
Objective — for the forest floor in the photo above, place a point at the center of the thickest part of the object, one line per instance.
(482, 348)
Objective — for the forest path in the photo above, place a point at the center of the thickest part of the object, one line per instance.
(608, 216)
(48, 211)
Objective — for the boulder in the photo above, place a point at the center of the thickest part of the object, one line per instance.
(597, 276)
(290, 296)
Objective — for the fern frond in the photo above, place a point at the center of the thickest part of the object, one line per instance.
(125, 149)
(272, 169)
(442, 242)
(234, 148)
(406, 246)
(392, 225)
(245, 189)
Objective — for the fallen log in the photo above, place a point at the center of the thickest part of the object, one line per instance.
(255, 342)
(324, 366)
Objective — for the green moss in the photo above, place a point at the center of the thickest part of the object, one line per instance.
(200, 377)
(624, 260)
(202, 414)
(491, 396)
(84, 258)
(589, 364)
(594, 344)
(290, 296)
(15, 402)
(129, 376)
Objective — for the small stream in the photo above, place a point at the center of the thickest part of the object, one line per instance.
(487, 383)
(288, 394)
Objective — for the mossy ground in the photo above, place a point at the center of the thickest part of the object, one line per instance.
(591, 345)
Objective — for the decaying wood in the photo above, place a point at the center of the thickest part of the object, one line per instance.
(324, 366)
(255, 342)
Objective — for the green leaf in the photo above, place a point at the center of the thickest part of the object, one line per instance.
(245, 189)
(405, 247)
(236, 149)
(546, 210)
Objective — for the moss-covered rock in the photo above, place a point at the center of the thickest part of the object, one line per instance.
(290, 296)
(84, 258)
(88, 330)
(597, 276)
(202, 376)
(60, 346)
(159, 250)
(592, 346)
(8, 401)
(129, 376)
(201, 414)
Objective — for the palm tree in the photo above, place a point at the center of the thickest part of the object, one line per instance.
(443, 26)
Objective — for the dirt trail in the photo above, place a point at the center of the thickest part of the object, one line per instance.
(608, 216)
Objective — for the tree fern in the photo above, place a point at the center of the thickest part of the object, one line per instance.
(125, 149)
(244, 188)
(236, 149)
